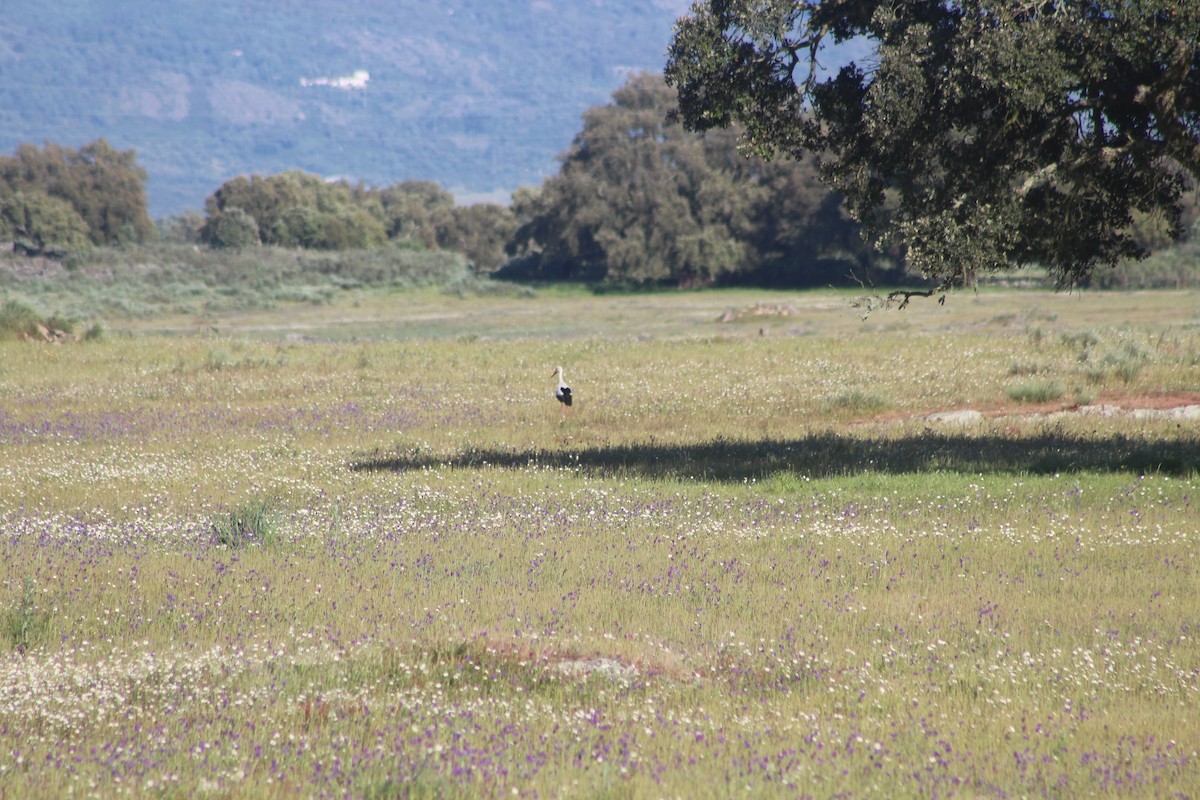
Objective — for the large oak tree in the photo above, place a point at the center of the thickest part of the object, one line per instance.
(639, 200)
(977, 134)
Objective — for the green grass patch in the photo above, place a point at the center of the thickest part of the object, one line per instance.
(255, 522)
(1041, 391)
(857, 401)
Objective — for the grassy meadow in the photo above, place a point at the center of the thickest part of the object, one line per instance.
(355, 548)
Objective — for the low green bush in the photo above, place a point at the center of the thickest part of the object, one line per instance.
(253, 523)
(1036, 391)
(17, 320)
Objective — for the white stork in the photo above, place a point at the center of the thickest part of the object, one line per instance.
(562, 392)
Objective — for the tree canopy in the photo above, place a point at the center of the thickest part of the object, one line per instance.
(57, 188)
(976, 134)
(299, 209)
(291, 209)
(640, 200)
(39, 224)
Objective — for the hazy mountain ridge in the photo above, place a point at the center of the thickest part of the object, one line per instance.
(478, 96)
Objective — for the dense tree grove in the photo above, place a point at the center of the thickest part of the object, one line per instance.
(296, 209)
(977, 134)
(48, 193)
(292, 209)
(640, 200)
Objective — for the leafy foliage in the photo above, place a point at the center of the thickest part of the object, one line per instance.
(410, 210)
(639, 200)
(293, 209)
(39, 224)
(182, 228)
(232, 227)
(61, 188)
(298, 209)
(978, 135)
(480, 232)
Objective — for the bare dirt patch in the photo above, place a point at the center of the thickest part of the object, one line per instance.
(1182, 405)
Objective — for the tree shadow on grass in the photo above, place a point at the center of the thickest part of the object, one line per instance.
(830, 454)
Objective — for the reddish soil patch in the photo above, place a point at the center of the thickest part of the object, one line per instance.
(1158, 400)
(1127, 401)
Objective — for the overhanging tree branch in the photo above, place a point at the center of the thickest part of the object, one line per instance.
(1163, 98)
(1060, 149)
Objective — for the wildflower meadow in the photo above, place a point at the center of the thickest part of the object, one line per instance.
(358, 549)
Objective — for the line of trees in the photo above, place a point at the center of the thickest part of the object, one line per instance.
(297, 209)
(638, 201)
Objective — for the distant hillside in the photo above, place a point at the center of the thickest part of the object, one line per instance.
(477, 95)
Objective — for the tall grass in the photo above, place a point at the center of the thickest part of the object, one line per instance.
(119, 283)
(25, 623)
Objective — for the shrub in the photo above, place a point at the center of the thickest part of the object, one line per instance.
(58, 322)
(1126, 361)
(1036, 392)
(254, 523)
(1084, 340)
(857, 401)
(17, 320)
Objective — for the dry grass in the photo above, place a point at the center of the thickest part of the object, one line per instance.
(723, 570)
